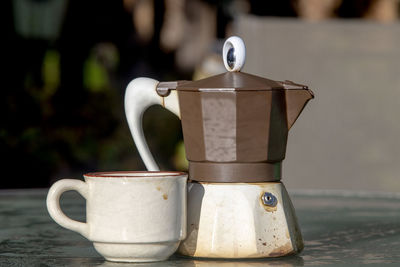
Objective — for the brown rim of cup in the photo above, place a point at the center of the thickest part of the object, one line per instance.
(133, 174)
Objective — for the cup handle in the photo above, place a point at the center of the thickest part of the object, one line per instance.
(54, 209)
(141, 93)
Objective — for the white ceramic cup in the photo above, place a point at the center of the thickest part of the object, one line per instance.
(130, 216)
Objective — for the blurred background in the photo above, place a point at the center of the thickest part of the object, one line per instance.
(66, 65)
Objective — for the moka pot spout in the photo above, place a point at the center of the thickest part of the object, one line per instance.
(296, 97)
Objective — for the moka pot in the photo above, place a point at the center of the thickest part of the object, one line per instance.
(235, 127)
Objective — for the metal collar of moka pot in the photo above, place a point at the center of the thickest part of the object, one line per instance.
(235, 125)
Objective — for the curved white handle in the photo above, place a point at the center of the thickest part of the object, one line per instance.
(140, 94)
(53, 204)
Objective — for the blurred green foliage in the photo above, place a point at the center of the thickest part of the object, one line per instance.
(63, 91)
(51, 72)
(58, 134)
(95, 75)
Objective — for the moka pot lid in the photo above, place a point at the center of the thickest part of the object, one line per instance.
(234, 54)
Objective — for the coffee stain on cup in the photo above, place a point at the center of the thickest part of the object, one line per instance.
(165, 191)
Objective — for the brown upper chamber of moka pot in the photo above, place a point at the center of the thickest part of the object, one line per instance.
(235, 125)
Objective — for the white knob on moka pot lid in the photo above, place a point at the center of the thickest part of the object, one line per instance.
(234, 53)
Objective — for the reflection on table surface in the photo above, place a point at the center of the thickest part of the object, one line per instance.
(180, 261)
(338, 228)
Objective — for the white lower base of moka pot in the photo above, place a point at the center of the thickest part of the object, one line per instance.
(240, 220)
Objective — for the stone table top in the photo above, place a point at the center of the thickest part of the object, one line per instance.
(339, 228)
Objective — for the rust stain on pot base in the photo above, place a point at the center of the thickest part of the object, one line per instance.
(270, 209)
(165, 196)
(287, 249)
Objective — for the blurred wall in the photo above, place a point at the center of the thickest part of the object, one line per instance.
(348, 136)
